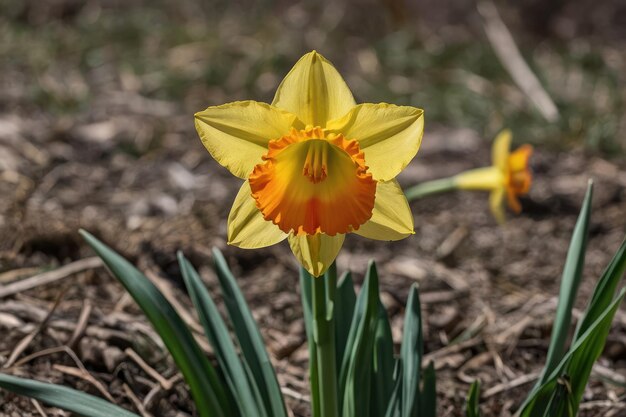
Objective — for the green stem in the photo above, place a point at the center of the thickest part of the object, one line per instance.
(429, 188)
(324, 335)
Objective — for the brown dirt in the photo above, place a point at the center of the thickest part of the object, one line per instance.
(96, 131)
(493, 286)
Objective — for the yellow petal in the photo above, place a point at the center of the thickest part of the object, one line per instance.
(500, 150)
(236, 134)
(488, 178)
(314, 91)
(246, 226)
(496, 204)
(316, 252)
(391, 218)
(388, 135)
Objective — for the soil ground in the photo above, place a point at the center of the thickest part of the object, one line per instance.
(127, 166)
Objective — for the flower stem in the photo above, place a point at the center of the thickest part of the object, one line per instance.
(430, 187)
(324, 335)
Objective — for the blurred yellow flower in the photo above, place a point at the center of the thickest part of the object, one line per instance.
(509, 176)
(316, 165)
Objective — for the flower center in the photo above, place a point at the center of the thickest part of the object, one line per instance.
(519, 175)
(316, 162)
(313, 182)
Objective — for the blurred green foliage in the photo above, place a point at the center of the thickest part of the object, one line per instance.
(60, 56)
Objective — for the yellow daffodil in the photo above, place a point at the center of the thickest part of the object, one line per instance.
(316, 165)
(509, 176)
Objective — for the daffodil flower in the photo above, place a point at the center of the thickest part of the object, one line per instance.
(316, 165)
(509, 177)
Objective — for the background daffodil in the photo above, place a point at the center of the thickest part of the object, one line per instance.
(509, 176)
(316, 165)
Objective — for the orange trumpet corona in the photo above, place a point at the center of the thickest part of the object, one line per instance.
(312, 182)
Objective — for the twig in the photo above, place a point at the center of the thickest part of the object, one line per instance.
(83, 319)
(50, 351)
(510, 57)
(589, 405)
(608, 375)
(80, 371)
(129, 392)
(505, 386)
(149, 398)
(86, 376)
(50, 276)
(38, 407)
(451, 242)
(453, 348)
(295, 395)
(165, 383)
(23, 344)
(14, 274)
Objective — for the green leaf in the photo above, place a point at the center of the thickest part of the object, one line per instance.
(604, 290)
(356, 370)
(411, 353)
(382, 378)
(206, 388)
(306, 283)
(345, 300)
(62, 397)
(250, 339)
(579, 371)
(562, 402)
(575, 366)
(428, 401)
(472, 408)
(246, 393)
(570, 281)
(395, 402)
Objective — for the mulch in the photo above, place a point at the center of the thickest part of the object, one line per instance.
(142, 182)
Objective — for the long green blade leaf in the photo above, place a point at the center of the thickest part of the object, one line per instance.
(345, 300)
(356, 370)
(245, 392)
(411, 353)
(472, 409)
(206, 388)
(395, 402)
(570, 281)
(428, 401)
(604, 290)
(575, 366)
(62, 397)
(382, 378)
(250, 339)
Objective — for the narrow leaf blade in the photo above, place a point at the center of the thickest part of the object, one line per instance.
(576, 364)
(395, 402)
(428, 401)
(345, 302)
(63, 397)
(472, 409)
(357, 367)
(250, 339)
(411, 353)
(570, 281)
(206, 388)
(245, 393)
(382, 372)
(604, 290)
